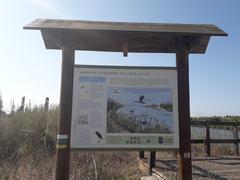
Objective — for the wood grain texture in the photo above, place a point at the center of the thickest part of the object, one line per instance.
(215, 123)
(64, 125)
(183, 29)
(110, 36)
(184, 155)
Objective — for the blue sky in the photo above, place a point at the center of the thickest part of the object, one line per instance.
(28, 69)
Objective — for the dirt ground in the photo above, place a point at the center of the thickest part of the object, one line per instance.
(215, 167)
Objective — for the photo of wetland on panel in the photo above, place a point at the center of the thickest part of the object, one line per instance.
(139, 110)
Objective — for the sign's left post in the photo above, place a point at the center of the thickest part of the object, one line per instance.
(64, 125)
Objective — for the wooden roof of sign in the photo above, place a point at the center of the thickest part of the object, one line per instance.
(115, 36)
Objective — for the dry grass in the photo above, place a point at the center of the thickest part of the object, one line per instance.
(84, 166)
(27, 151)
(105, 165)
(216, 150)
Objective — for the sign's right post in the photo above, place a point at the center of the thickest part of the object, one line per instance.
(184, 155)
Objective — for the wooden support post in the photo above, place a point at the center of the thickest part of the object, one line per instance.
(141, 154)
(64, 126)
(184, 155)
(236, 137)
(152, 159)
(207, 142)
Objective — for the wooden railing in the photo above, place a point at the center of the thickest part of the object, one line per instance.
(207, 141)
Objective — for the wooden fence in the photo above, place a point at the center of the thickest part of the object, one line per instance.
(207, 141)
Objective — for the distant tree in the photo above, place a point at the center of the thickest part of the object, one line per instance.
(46, 104)
(12, 106)
(21, 108)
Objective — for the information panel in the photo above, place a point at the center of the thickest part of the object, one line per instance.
(124, 108)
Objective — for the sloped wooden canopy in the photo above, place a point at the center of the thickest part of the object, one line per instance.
(115, 36)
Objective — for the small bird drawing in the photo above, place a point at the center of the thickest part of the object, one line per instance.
(99, 136)
(140, 100)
